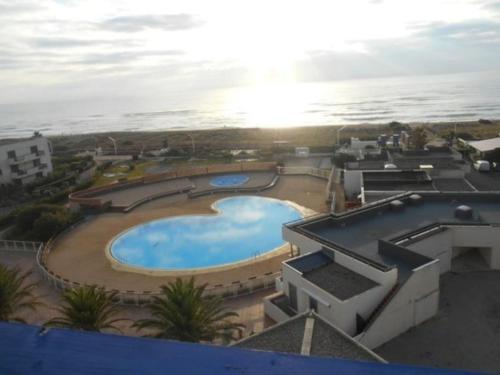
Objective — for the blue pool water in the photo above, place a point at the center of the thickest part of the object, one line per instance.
(229, 180)
(244, 227)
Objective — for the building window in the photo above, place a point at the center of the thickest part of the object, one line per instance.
(292, 295)
(36, 162)
(39, 174)
(313, 304)
(34, 149)
(14, 168)
(11, 154)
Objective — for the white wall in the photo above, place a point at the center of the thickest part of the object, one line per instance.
(440, 246)
(22, 149)
(305, 244)
(341, 312)
(437, 246)
(416, 301)
(353, 181)
(273, 311)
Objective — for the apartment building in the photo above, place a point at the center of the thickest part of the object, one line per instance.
(22, 161)
(374, 272)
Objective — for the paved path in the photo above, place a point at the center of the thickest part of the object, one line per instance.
(128, 196)
(249, 308)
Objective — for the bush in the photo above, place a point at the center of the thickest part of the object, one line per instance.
(41, 222)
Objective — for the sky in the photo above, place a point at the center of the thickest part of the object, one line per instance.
(52, 50)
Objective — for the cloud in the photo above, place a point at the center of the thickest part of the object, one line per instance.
(10, 7)
(124, 56)
(167, 22)
(66, 42)
(494, 6)
(468, 31)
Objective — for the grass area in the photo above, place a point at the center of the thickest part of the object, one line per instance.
(262, 138)
(474, 129)
(123, 170)
(139, 168)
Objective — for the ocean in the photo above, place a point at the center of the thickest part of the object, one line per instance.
(436, 98)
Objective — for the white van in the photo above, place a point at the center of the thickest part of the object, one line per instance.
(482, 165)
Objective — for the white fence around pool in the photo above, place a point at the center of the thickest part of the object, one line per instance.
(322, 173)
(20, 246)
(133, 297)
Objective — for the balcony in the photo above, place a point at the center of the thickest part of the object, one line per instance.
(26, 173)
(24, 158)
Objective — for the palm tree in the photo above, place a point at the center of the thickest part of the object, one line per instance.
(88, 308)
(183, 313)
(15, 294)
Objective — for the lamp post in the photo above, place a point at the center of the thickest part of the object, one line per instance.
(192, 142)
(114, 144)
(338, 134)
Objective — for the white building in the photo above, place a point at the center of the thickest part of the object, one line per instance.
(23, 161)
(374, 272)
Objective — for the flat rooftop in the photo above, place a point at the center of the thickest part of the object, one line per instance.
(360, 230)
(320, 269)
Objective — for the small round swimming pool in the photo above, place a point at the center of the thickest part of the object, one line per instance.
(243, 228)
(229, 180)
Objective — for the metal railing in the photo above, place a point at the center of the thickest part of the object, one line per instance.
(134, 297)
(20, 246)
(316, 172)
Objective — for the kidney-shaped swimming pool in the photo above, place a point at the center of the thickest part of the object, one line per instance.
(243, 228)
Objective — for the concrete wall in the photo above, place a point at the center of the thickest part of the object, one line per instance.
(308, 245)
(440, 246)
(341, 312)
(353, 181)
(437, 246)
(273, 311)
(416, 301)
(305, 244)
(25, 159)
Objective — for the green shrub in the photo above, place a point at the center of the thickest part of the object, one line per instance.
(41, 222)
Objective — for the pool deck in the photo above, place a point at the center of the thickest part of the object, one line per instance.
(257, 179)
(79, 255)
(249, 308)
(128, 196)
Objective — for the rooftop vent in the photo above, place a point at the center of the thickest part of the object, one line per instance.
(415, 199)
(397, 205)
(463, 212)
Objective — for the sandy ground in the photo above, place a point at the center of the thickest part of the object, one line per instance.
(79, 255)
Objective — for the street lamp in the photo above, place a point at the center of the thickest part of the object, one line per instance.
(338, 134)
(114, 144)
(192, 142)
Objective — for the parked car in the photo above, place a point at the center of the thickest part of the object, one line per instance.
(482, 165)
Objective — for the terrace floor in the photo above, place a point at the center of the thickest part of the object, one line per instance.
(80, 254)
(249, 308)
